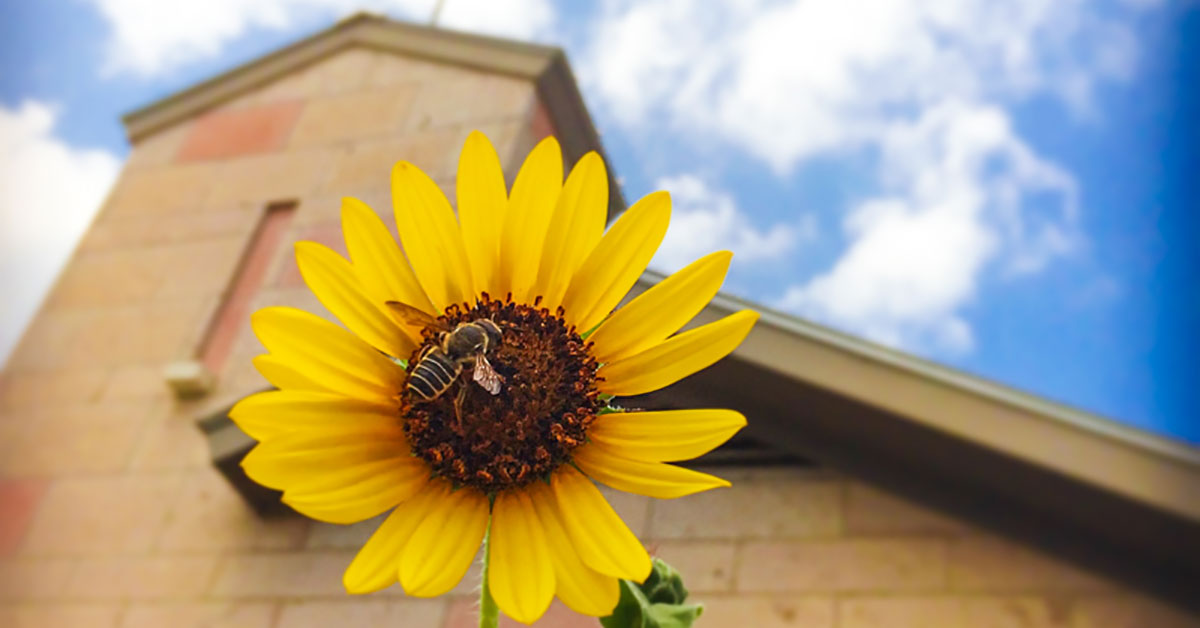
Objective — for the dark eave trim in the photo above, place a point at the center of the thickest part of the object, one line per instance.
(1137, 465)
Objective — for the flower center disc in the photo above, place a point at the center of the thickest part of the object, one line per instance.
(545, 405)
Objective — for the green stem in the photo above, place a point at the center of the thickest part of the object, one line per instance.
(489, 613)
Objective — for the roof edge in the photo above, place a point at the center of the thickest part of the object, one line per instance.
(1082, 420)
(481, 52)
(1116, 458)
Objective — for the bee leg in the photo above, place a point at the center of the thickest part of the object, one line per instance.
(458, 402)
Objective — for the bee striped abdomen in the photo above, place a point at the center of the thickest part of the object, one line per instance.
(432, 375)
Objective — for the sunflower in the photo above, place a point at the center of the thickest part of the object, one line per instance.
(350, 433)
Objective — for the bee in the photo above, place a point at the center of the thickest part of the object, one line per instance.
(439, 366)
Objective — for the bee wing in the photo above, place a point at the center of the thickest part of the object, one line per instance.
(409, 315)
(485, 375)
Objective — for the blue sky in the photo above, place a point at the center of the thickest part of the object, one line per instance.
(1000, 187)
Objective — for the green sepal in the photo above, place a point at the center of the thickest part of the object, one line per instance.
(584, 335)
(656, 603)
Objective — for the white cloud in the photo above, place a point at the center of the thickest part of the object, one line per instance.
(919, 88)
(957, 181)
(705, 220)
(49, 192)
(788, 80)
(517, 19)
(152, 37)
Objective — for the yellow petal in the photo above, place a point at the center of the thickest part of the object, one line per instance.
(442, 548)
(332, 279)
(378, 562)
(431, 237)
(575, 228)
(320, 351)
(322, 460)
(378, 261)
(677, 357)
(653, 479)
(280, 375)
(665, 436)
(603, 541)
(274, 413)
(611, 269)
(583, 589)
(660, 311)
(520, 573)
(363, 496)
(530, 206)
(340, 478)
(482, 203)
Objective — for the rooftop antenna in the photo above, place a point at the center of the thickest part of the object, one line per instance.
(437, 13)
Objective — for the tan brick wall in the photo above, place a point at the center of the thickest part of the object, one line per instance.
(112, 515)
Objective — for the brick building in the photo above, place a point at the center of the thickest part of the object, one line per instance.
(870, 489)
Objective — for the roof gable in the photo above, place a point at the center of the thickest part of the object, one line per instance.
(362, 30)
(544, 66)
